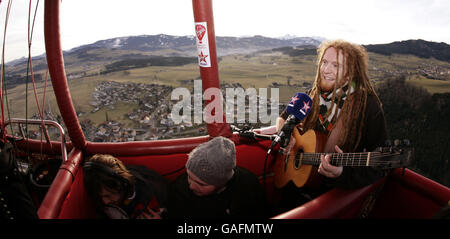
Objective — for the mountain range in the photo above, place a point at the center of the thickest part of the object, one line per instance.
(168, 45)
(186, 44)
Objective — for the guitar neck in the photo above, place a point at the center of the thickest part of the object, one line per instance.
(346, 159)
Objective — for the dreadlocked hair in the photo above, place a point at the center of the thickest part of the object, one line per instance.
(352, 112)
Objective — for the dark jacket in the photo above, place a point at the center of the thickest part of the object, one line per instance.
(374, 134)
(242, 198)
(150, 190)
(15, 199)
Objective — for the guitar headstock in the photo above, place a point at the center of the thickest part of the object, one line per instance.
(396, 154)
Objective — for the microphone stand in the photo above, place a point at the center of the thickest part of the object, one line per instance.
(249, 133)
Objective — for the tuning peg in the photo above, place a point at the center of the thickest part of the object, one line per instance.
(397, 142)
(406, 142)
(388, 143)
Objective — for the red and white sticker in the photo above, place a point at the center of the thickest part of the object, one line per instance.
(201, 34)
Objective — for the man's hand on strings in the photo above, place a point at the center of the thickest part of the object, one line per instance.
(328, 170)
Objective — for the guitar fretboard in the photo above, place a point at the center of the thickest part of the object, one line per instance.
(349, 159)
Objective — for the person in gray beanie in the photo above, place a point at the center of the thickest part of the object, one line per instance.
(214, 161)
(214, 187)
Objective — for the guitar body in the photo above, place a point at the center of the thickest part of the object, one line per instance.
(287, 168)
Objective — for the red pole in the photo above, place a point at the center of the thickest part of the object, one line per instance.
(53, 201)
(209, 70)
(55, 62)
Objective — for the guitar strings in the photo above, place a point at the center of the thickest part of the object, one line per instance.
(357, 163)
(352, 159)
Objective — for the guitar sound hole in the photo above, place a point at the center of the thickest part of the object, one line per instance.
(297, 161)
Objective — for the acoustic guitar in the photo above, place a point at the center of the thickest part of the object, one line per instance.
(300, 164)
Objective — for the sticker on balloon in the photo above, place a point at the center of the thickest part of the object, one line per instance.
(201, 32)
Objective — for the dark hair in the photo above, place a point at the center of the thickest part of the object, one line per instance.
(103, 171)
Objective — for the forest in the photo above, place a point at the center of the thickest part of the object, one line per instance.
(413, 113)
(420, 48)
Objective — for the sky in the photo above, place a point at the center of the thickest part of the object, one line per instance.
(359, 21)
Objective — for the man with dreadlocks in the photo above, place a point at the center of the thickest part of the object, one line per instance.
(347, 109)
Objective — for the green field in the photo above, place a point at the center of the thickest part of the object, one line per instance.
(432, 86)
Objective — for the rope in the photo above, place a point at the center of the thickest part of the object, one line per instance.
(41, 112)
(30, 65)
(3, 85)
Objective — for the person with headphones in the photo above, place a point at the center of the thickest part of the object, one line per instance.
(119, 192)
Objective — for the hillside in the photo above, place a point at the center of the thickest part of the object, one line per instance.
(420, 48)
(91, 59)
(186, 44)
(162, 45)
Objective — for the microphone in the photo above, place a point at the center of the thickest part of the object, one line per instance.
(298, 108)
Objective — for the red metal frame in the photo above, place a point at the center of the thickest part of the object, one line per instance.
(53, 200)
(210, 75)
(55, 62)
(405, 195)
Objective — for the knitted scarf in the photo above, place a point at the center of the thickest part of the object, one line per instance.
(326, 103)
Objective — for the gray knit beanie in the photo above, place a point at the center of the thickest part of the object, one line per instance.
(213, 162)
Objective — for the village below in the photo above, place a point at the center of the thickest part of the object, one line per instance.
(152, 118)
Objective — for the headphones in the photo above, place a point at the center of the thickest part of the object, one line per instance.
(124, 184)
